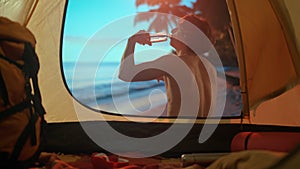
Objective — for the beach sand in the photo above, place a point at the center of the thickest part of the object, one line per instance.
(154, 104)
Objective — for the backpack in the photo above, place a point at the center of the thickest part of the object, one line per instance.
(22, 122)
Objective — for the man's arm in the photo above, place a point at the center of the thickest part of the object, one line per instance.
(129, 71)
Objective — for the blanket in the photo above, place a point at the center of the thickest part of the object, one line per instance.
(258, 159)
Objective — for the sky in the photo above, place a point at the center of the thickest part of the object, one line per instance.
(100, 21)
(98, 13)
(95, 14)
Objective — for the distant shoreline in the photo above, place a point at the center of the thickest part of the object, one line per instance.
(101, 92)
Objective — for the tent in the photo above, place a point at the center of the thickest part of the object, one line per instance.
(266, 34)
(260, 49)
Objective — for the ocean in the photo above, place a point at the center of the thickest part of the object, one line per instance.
(97, 86)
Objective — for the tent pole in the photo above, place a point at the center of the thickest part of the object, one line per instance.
(31, 12)
(241, 57)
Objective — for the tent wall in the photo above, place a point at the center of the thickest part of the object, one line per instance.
(268, 67)
(19, 11)
(46, 24)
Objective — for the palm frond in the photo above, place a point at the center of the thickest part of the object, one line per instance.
(143, 16)
(159, 24)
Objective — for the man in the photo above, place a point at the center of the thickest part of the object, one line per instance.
(190, 79)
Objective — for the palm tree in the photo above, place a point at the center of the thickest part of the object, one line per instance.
(214, 11)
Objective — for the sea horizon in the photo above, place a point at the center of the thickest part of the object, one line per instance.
(97, 86)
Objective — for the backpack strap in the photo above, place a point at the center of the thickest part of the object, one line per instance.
(30, 69)
(3, 91)
(17, 108)
(29, 129)
(11, 61)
